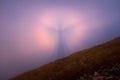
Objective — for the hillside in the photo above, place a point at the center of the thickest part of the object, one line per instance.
(76, 65)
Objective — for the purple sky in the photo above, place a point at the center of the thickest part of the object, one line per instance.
(25, 43)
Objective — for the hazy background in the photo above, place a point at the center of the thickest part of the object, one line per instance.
(26, 41)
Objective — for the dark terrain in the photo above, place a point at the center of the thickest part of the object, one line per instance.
(102, 61)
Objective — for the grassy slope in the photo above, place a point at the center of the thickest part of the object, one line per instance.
(71, 67)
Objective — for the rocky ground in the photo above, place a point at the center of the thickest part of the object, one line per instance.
(104, 73)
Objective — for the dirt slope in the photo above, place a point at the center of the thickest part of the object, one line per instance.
(75, 65)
